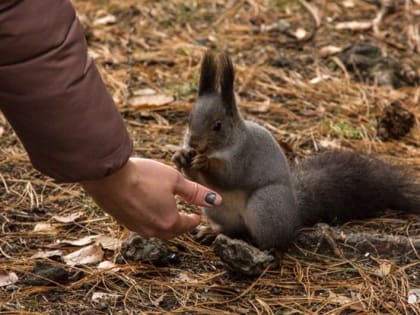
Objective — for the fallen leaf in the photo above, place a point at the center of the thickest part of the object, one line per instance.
(185, 277)
(384, 269)
(80, 242)
(413, 296)
(154, 99)
(329, 144)
(348, 3)
(86, 255)
(107, 242)
(142, 92)
(7, 278)
(68, 218)
(319, 78)
(106, 264)
(354, 25)
(339, 299)
(329, 50)
(45, 227)
(1, 131)
(99, 297)
(300, 33)
(46, 254)
(158, 300)
(93, 54)
(106, 20)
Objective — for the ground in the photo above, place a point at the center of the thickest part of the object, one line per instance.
(290, 81)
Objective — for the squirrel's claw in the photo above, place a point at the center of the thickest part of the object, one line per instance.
(200, 162)
(182, 159)
(204, 234)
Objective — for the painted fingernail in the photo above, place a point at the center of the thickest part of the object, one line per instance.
(210, 198)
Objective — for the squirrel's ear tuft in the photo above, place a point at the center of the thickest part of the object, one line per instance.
(208, 75)
(227, 78)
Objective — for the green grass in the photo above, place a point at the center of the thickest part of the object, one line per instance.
(343, 129)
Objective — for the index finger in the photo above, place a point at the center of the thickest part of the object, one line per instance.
(184, 224)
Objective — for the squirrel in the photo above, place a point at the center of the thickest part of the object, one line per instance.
(265, 200)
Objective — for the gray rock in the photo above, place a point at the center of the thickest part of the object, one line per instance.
(240, 256)
(153, 250)
(47, 274)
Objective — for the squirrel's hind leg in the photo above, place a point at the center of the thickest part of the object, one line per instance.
(271, 217)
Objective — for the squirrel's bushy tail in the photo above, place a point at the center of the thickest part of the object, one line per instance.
(344, 185)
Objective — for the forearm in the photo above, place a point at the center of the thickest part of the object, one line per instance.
(53, 95)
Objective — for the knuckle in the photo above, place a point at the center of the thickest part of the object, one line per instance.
(168, 224)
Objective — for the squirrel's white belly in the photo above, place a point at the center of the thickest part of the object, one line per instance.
(228, 216)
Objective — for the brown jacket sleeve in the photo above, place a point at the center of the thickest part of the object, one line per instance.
(53, 95)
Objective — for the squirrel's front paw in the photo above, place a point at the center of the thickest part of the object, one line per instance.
(183, 159)
(200, 162)
(204, 234)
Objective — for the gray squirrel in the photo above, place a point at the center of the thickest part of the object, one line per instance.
(264, 200)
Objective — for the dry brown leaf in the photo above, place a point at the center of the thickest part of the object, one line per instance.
(159, 300)
(107, 242)
(413, 296)
(45, 227)
(46, 254)
(329, 144)
(99, 297)
(384, 269)
(338, 299)
(354, 25)
(154, 99)
(185, 277)
(319, 78)
(348, 3)
(79, 242)
(86, 255)
(300, 33)
(145, 91)
(106, 265)
(329, 50)
(7, 278)
(68, 218)
(106, 20)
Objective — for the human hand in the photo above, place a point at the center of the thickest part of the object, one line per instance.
(141, 196)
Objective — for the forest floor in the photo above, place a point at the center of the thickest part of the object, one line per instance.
(319, 75)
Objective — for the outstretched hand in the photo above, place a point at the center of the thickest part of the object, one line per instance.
(141, 196)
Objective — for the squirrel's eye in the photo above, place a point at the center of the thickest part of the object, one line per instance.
(217, 126)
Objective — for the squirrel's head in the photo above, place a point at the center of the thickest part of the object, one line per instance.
(215, 115)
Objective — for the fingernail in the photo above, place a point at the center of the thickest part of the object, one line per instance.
(210, 198)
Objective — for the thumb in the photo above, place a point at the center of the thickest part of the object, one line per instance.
(195, 193)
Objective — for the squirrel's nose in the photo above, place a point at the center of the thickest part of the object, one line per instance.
(194, 142)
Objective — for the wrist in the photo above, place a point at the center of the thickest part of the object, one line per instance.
(116, 177)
